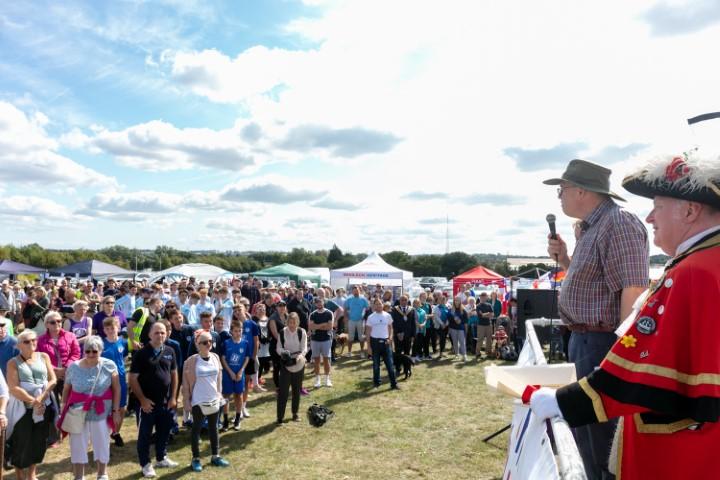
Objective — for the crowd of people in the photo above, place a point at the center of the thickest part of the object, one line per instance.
(80, 357)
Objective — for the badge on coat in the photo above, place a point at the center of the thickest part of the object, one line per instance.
(628, 341)
(646, 325)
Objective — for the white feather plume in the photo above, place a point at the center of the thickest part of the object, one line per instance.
(704, 170)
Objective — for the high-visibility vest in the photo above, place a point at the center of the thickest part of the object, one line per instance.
(137, 329)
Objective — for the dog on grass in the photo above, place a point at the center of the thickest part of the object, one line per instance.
(342, 340)
(404, 363)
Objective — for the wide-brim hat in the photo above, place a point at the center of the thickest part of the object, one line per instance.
(588, 176)
(688, 176)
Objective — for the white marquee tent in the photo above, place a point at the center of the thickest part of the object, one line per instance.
(372, 271)
(201, 272)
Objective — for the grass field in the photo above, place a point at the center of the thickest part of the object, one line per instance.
(432, 428)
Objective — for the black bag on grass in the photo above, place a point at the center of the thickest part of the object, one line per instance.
(319, 414)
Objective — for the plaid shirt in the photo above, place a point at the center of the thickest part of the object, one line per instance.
(611, 254)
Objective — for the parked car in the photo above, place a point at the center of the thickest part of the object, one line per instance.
(430, 282)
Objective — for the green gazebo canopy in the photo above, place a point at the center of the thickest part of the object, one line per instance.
(292, 272)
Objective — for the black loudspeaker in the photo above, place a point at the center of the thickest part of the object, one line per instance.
(536, 304)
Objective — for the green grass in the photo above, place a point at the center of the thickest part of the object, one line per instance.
(432, 428)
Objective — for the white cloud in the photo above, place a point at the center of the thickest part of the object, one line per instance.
(158, 145)
(333, 204)
(27, 212)
(161, 146)
(265, 192)
(28, 155)
(143, 205)
(255, 71)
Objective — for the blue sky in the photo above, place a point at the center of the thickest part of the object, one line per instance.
(273, 124)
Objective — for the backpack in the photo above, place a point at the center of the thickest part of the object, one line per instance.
(319, 414)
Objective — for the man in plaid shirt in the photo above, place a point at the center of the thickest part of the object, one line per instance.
(606, 273)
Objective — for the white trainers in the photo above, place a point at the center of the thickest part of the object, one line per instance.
(259, 389)
(148, 471)
(245, 412)
(318, 384)
(166, 463)
(103, 477)
(328, 383)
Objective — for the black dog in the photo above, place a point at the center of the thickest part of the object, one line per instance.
(404, 362)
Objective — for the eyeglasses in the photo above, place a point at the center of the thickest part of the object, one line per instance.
(91, 351)
(28, 342)
(205, 342)
(109, 303)
(170, 306)
(52, 322)
(561, 189)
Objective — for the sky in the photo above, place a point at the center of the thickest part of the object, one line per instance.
(374, 125)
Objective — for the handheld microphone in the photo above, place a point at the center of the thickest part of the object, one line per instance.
(550, 218)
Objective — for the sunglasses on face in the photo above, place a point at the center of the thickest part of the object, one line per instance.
(87, 352)
(205, 343)
(28, 342)
(109, 303)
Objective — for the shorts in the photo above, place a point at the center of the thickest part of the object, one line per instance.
(123, 392)
(355, 328)
(321, 349)
(230, 387)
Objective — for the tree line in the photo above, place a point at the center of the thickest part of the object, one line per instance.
(445, 265)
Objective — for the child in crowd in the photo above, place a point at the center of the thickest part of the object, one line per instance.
(116, 349)
(235, 357)
(501, 339)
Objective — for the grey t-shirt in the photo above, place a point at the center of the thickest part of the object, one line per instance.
(81, 379)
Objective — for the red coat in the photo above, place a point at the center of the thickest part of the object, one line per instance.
(663, 376)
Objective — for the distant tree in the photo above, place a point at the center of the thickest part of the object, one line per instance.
(455, 263)
(397, 259)
(334, 256)
(659, 259)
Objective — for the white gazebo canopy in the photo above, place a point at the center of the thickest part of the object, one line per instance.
(372, 271)
(201, 272)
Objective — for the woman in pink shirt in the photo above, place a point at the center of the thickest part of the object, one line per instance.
(61, 346)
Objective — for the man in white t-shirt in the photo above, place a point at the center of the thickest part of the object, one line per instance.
(379, 330)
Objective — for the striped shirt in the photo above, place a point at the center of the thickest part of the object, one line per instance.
(610, 255)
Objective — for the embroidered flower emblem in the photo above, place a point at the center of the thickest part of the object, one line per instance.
(628, 341)
(676, 170)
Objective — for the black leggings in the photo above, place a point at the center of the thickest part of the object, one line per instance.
(212, 430)
(289, 381)
(264, 365)
(442, 336)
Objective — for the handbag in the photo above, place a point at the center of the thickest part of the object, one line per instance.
(74, 420)
(211, 407)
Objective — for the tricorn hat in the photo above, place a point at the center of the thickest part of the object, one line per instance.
(588, 176)
(687, 176)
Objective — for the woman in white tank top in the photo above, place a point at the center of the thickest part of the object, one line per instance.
(202, 388)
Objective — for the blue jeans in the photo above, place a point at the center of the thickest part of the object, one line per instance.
(381, 349)
(161, 418)
(586, 351)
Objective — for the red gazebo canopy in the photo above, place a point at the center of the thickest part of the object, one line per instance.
(477, 275)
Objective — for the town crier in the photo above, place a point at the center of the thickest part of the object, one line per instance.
(662, 376)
